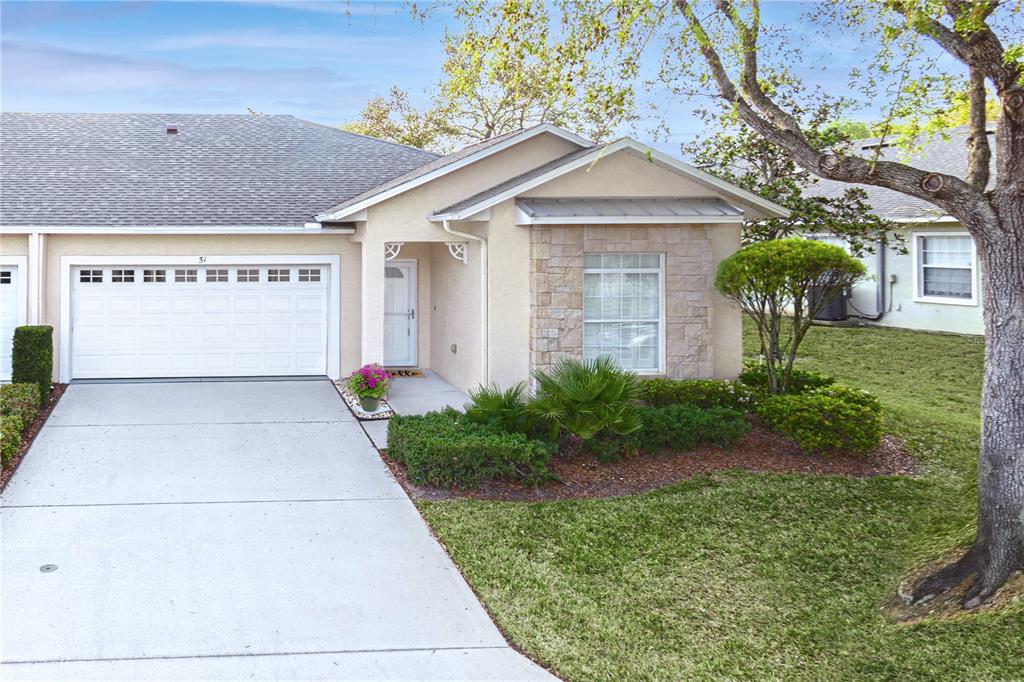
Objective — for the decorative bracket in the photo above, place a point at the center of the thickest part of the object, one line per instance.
(392, 249)
(458, 251)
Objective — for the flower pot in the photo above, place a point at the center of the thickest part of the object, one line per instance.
(369, 404)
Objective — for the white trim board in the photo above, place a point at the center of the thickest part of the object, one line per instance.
(333, 293)
(625, 143)
(335, 214)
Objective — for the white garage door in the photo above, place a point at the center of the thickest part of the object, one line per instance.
(10, 315)
(190, 321)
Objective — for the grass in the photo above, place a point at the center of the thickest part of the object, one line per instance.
(740, 575)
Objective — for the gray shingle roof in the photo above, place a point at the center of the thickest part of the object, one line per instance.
(239, 170)
(941, 155)
(436, 164)
(516, 181)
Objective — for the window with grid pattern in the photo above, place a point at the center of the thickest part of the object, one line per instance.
(90, 276)
(278, 275)
(154, 275)
(216, 275)
(121, 276)
(309, 274)
(622, 309)
(248, 275)
(5, 276)
(946, 265)
(185, 275)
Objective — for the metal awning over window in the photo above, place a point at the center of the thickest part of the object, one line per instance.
(596, 211)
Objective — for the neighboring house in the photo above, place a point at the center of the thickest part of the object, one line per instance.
(212, 245)
(937, 285)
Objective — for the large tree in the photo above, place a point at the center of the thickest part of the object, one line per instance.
(721, 47)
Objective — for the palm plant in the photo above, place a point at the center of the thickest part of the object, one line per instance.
(590, 399)
(505, 409)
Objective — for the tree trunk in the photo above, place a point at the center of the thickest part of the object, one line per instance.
(998, 548)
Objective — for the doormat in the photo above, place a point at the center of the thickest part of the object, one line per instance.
(405, 372)
(384, 411)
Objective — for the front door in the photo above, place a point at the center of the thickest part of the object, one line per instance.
(400, 314)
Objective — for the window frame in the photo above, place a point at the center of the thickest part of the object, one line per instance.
(662, 353)
(917, 249)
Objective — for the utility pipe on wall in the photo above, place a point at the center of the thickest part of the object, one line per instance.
(484, 295)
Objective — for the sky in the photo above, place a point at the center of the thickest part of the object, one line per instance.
(317, 60)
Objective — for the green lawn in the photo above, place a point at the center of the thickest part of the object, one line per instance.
(756, 576)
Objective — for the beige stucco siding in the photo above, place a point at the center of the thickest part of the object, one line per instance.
(622, 174)
(212, 245)
(456, 317)
(13, 244)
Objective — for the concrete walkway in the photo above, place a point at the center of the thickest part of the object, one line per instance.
(415, 395)
(225, 531)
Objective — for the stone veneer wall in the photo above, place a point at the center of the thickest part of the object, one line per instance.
(556, 290)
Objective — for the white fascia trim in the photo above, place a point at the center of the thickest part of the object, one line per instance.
(925, 220)
(345, 213)
(21, 262)
(333, 293)
(174, 229)
(523, 219)
(607, 150)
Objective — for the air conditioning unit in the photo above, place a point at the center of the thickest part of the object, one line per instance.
(835, 309)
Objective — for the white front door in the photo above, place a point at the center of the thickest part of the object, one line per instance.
(400, 313)
(173, 320)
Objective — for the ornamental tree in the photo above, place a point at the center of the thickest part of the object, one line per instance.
(781, 285)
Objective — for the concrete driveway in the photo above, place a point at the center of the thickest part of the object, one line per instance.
(226, 530)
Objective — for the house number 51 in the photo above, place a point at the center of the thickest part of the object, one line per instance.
(202, 259)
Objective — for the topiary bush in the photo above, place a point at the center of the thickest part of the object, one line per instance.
(703, 393)
(800, 380)
(32, 358)
(11, 427)
(449, 449)
(20, 400)
(825, 420)
(676, 428)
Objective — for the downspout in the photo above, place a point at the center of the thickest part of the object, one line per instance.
(484, 295)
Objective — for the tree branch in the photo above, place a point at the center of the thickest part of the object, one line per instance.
(979, 154)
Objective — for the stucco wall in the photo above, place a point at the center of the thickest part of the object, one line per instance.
(698, 325)
(212, 245)
(904, 311)
(455, 317)
(13, 244)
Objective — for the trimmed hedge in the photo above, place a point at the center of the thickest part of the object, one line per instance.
(800, 380)
(704, 393)
(11, 427)
(832, 419)
(21, 400)
(448, 449)
(32, 357)
(676, 428)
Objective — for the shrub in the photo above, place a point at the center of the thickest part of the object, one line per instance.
(824, 420)
(850, 395)
(503, 409)
(800, 380)
(32, 358)
(449, 449)
(20, 400)
(703, 393)
(10, 437)
(682, 427)
(593, 400)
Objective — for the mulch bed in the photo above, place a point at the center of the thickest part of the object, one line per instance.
(760, 451)
(29, 434)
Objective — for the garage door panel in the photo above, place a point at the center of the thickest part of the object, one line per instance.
(164, 321)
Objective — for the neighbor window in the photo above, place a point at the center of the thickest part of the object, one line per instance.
(622, 310)
(945, 267)
(278, 275)
(185, 275)
(90, 276)
(122, 275)
(248, 275)
(309, 274)
(217, 275)
(154, 275)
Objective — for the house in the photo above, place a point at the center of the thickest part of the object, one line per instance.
(936, 286)
(188, 245)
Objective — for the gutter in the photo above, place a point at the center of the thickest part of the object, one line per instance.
(484, 295)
